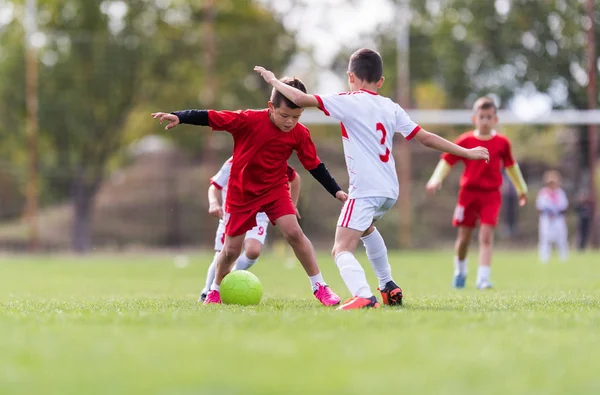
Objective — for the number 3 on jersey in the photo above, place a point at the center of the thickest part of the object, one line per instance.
(380, 128)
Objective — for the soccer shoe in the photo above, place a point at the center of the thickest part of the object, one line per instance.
(484, 285)
(326, 296)
(391, 294)
(213, 297)
(360, 303)
(459, 281)
(202, 297)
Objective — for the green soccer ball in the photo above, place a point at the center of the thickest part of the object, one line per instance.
(241, 287)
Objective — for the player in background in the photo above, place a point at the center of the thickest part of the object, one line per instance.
(263, 141)
(255, 237)
(369, 122)
(552, 203)
(479, 198)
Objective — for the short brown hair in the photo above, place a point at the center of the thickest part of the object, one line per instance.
(484, 103)
(366, 65)
(277, 98)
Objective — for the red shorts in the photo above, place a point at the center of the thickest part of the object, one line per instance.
(239, 223)
(476, 205)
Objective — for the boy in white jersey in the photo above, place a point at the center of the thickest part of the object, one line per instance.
(369, 122)
(552, 203)
(255, 238)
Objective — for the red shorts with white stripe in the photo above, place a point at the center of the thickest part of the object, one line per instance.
(360, 213)
(477, 205)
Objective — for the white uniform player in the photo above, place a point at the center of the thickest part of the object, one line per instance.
(552, 203)
(369, 122)
(259, 232)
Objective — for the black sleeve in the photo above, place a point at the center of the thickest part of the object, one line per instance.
(193, 117)
(321, 174)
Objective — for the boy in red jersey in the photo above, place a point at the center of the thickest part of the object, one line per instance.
(479, 197)
(263, 142)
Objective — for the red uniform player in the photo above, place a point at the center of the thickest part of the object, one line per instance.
(479, 198)
(263, 142)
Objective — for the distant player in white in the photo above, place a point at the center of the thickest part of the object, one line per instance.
(369, 122)
(552, 203)
(255, 238)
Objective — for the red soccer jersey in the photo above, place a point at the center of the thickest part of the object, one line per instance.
(259, 173)
(478, 174)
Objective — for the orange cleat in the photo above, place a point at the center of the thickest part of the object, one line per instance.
(391, 294)
(360, 303)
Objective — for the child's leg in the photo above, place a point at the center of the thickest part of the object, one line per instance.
(461, 247)
(563, 241)
(544, 245)
(377, 255)
(210, 274)
(351, 271)
(486, 245)
(226, 259)
(252, 250)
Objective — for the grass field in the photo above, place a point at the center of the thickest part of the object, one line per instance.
(131, 325)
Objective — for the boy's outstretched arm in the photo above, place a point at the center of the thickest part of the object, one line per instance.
(192, 117)
(441, 144)
(295, 95)
(516, 177)
(441, 171)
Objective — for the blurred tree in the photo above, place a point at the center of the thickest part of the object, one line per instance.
(103, 61)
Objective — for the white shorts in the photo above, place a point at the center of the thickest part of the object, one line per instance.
(259, 232)
(359, 213)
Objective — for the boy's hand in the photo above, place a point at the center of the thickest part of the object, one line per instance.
(215, 210)
(341, 196)
(266, 74)
(478, 153)
(165, 116)
(522, 200)
(432, 187)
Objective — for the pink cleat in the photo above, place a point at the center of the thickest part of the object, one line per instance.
(213, 297)
(326, 295)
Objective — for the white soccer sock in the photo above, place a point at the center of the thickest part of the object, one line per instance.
(460, 266)
(316, 280)
(210, 273)
(243, 262)
(353, 274)
(483, 274)
(377, 254)
(215, 287)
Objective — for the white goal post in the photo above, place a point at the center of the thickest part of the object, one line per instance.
(463, 117)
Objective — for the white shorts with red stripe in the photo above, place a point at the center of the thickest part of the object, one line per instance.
(259, 232)
(359, 213)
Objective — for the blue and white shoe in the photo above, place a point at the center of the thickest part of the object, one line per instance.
(484, 285)
(459, 281)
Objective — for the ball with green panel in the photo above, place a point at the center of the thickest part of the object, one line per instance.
(241, 287)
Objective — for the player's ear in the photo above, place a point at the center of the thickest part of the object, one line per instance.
(350, 77)
(473, 118)
(380, 82)
(271, 106)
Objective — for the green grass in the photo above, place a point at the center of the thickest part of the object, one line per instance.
(131, 325)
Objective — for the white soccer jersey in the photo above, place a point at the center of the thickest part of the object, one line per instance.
(368, 123)
(220, 179)
(552, 203)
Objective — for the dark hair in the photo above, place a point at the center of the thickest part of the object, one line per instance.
(484, 103)
(366, 65)
(277, 98)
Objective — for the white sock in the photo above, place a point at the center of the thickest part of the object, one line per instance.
(316, 280)
(353, 274)
(215, 287)
(460, 266)
(243, 262)
(483, 274)
(210, 274)
(377, 254)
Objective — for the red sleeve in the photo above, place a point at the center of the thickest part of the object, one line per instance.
(291, 173)
(453, 159)
(306, 150)
(229, 121)
(507, 157)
